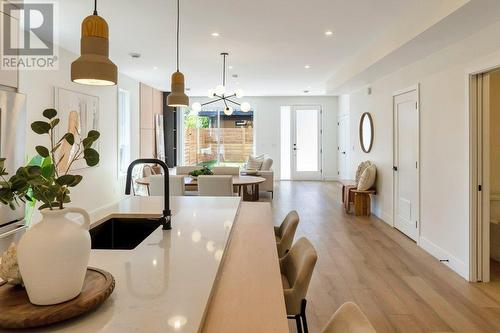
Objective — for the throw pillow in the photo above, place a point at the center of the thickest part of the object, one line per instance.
(255, 162)
(361, 167)
(367, 179)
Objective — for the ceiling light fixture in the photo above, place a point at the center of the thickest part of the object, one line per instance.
(220, 94)
(93, 67)
(177, 96)
(215, 34)
(328, 33)
(307, 66)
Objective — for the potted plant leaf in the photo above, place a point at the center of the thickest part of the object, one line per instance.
(53, 254)
(204, 171)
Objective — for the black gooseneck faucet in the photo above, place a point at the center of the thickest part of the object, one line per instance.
(167, 214)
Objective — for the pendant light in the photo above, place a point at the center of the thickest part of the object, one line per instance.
(93, 67)
(177, 96)
(220, 94)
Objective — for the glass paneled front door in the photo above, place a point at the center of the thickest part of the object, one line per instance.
(306, 143)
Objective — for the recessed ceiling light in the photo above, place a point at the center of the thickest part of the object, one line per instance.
(306, 91)
(134, 55)
(215, 34)
(328, 33)
(230, 67)
(307, 66)
(155, 68)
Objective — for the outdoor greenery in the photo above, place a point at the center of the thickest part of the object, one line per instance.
(45, 182)
(195, 121)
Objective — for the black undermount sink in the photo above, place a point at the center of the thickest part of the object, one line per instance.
(122, 233)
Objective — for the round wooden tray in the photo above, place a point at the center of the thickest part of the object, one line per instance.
(16, 311)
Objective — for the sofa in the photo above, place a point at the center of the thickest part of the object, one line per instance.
(265, 171)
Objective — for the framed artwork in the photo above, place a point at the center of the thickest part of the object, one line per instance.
(79, 113)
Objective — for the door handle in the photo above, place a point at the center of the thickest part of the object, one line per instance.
(395, 168)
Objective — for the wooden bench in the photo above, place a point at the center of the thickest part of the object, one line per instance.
(361, 199)
(362, 202)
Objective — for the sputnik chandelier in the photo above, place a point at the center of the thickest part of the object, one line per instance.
(219, 93)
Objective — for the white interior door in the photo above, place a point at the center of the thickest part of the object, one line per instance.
(406, 163)
(306, 143)
(343, 147)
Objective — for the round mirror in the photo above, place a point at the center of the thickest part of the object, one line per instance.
(366, 132)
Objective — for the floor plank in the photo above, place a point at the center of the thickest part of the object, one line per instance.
(398, 285)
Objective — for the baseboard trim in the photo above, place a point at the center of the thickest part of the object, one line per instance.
(454, 263)
(330, 179)
(387, 218)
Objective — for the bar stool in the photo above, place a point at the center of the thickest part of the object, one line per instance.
(349, 319)
(296, 268)
(285, 232)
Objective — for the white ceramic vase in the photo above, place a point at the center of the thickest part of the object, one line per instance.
(53, 256)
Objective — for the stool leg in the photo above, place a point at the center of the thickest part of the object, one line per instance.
(303, 315)
(299, 324)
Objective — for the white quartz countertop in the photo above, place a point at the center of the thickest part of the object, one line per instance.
(164, 284)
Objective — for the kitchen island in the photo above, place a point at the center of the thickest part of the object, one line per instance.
(215, 271)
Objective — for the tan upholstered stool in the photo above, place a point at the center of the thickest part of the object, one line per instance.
(285, 232)
(349, 319)
(297, 267)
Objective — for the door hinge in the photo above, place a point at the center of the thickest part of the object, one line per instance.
(338, 124)
(416, 224)
(338, 172)
(416, 105)
(479, 188)
(416, 164)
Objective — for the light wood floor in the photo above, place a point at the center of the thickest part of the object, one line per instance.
(399, 286)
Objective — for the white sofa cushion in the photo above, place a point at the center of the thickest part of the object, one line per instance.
(267, 164)
(367, 179)
(255, 162)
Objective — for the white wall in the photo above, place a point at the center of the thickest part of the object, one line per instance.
(100, 185)
(444, 140)
(267, 127)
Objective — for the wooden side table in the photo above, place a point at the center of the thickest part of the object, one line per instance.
(362, 202)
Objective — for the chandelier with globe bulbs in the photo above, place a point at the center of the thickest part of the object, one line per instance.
(220, 94)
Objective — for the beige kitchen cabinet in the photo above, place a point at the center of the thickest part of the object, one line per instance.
(151, 104)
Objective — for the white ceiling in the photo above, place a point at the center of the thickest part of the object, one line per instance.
(269, 41)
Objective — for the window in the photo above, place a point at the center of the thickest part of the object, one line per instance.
(124, 138)
(212, 138)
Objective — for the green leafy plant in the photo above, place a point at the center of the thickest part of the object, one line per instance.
(205, 171)
(47, 182)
